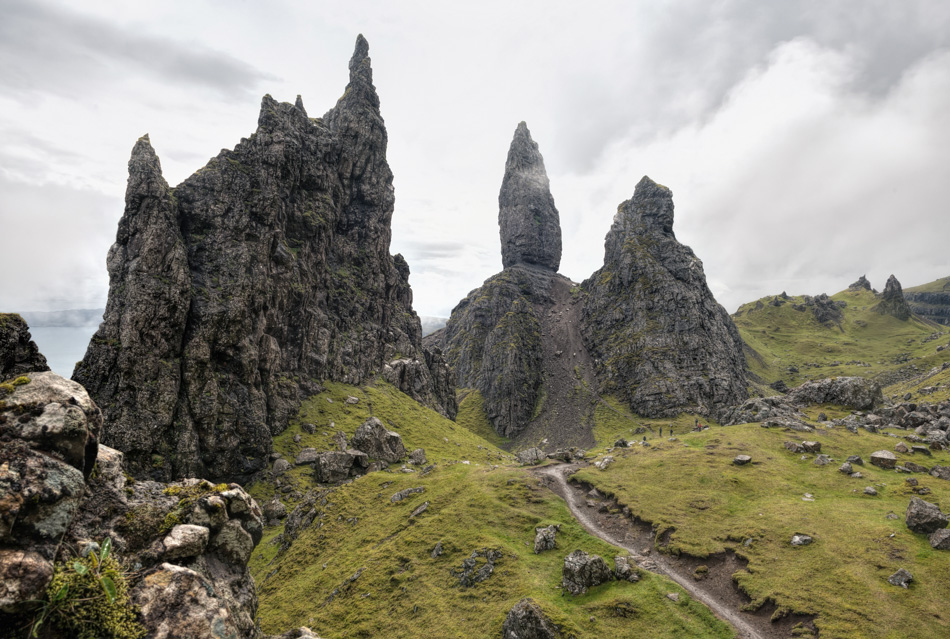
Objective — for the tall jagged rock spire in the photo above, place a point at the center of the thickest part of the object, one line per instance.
(529, 222)
(660, 339)
(892, 301)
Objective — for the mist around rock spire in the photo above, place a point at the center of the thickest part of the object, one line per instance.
(527, 218)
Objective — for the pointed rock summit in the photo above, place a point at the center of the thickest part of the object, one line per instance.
(660, 340)
(232, 296)
(528, 220)
(892, 301)
(861, 283)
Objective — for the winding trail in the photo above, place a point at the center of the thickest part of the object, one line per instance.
(741, 622)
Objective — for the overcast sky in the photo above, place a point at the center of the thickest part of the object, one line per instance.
(806, 142)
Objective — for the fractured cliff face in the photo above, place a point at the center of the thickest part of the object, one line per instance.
(660, 340)
(18, 352)
(234, 294)
(529, 223)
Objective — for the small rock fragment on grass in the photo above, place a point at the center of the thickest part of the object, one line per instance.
(741, 460)
(869, 490)
(673, 596)
(940, 539)
(801, 540)
(883, 459)
(900, 578)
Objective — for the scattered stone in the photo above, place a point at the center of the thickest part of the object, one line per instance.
(854, 459)
(274, 510)
(624, 571)
(526, 620)
(822, 460)
(531, 456)
(916, 468)
(811, 447)
(845, 468)
(379, 443)
(339, 438)
(621, 443)
(801, 540)
(794, 447)
(402, 494)
(901, 447)
(940, 539)
(418, 511)
(352, 400)
(673, 596)
(437, 551)
(417, 457)
(924, 517)
(884, 459)
(604, 463)
(474, 571)
(923, 450)
(544, 538)
(741, 460)
(281, 466)
(857, 475)
(941, 472)
(808, 497)
(334, 466)
(306, 456)
(582, 571)
(900, 578)
(869, 490)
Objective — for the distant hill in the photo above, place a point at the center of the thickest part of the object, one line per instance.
(931, 301)
(70, 317)
(792, 339)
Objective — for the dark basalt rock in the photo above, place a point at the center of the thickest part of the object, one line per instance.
(263, 273)
(526, 620)
(660, 340)
(528, 220)
(861, 283)
(892, 301)
(18, 352)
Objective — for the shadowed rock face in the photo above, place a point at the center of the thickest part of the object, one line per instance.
(892, 301)
(528, 220)
(234, 294)
(659, 338)
(18, 352)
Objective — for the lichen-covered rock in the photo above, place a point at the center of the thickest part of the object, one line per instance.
(526, 620)
(264, 271)
(892, 301)
(184, 541)
(852, 392)
(18, 352)
(377, 442)
(582, 571)
(924, 517)
(660, 340)
(883, 459)
(531, 456)
(544, 538)
(527, 218)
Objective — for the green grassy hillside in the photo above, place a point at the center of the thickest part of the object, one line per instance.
(793, 346)
(402, 591)
(690, 488)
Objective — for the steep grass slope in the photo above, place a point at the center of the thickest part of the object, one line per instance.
(365, 567)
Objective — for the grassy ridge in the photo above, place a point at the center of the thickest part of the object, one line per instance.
(865, 343)
(403, 591)
(691, 488)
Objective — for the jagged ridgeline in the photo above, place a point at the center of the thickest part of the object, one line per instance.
(234, 294)
(660, 340)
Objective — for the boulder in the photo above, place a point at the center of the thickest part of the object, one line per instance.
(274, 510)
(900, 578)
(377, 442)
(941, 472)
(531, 456)
(901, 447)
(582, 571)
(334, 466)
(870, 490)
(544, 538)
(185, 541)
(306, 456)
(940, 539)
(822, 460)
(857, 393)
(846, 468)
(924, 517)
(526, 620)
(624, 571)
(478, 567)
(402, 494)
(741, 460)
(417, 457)
(883, 459)
(811, 447)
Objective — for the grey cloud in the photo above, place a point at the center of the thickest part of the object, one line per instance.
(46, 49)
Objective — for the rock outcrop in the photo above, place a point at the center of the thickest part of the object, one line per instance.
(892, 301)
(234, 294)
(526, 620)
(660, 340)
(189, 541)
(18, 352)
(861, 283)
(582, 571)
(528, 220)
(933, 303)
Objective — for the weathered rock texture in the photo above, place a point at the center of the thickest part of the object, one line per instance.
(234, 294)
(190, 540)
(526, 620)
(931, 304)
(18, 352)
(582, 571)
(861, 283)
(528, 220)
(892, 301)
(660, 340)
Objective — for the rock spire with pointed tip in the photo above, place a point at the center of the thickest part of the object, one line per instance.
(660, 340)
(267, 271)
(892, 301)
(528, 220)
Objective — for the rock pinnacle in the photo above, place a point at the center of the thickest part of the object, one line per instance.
(528, 220)
(892, 301)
